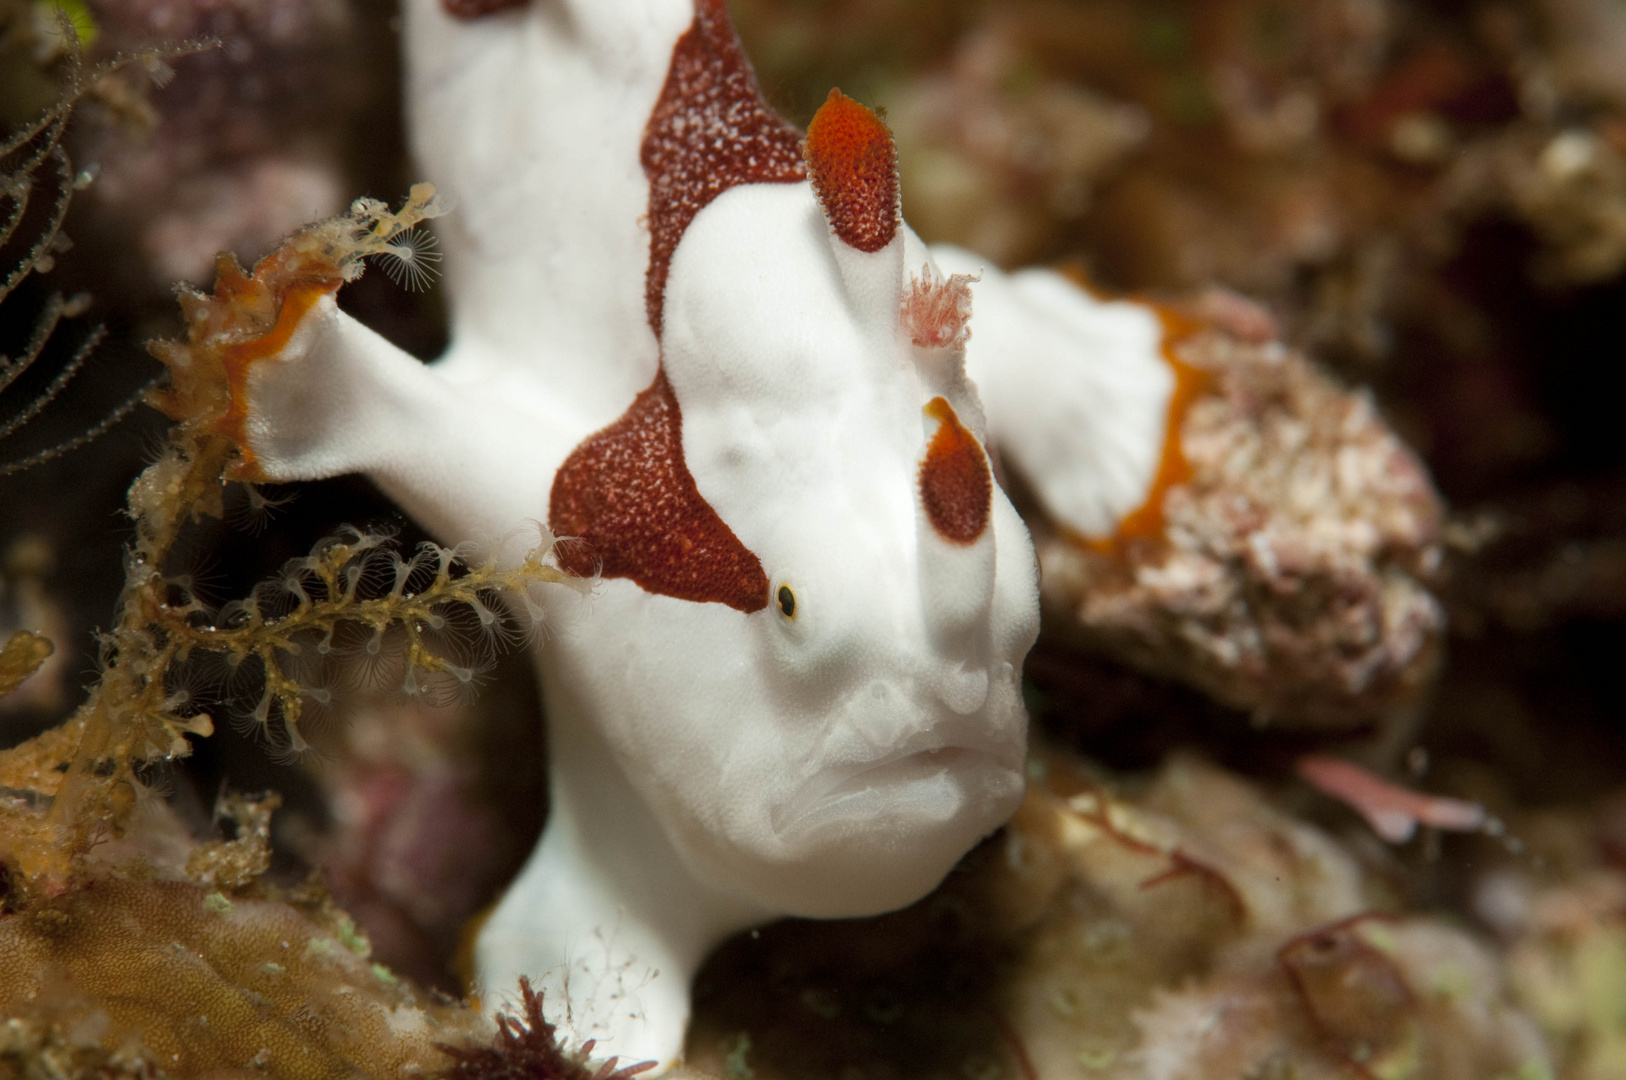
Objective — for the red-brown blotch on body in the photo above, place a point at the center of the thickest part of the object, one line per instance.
(628, 494)
(474, 9)
(710, 131)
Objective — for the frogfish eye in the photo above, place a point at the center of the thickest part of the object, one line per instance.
(787, 602)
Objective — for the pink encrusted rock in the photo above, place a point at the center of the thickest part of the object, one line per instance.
(1292, 574)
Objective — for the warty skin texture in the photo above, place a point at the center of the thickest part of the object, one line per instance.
(713, 768)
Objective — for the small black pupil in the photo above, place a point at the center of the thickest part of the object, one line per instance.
(787, 601)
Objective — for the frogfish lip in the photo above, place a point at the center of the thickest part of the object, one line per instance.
(928, 773)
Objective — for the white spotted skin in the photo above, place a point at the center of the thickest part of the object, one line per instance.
(709, 769)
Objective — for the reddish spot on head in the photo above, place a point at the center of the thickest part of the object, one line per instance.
(710, 131)
(627, 493)
(855, 172)
(955, 485)
(473, 9)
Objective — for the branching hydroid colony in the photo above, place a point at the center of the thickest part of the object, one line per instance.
(343, 597)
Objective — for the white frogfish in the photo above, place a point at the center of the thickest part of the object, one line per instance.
(706, 348)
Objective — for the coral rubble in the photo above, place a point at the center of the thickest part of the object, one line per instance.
(1182, 928)
(1291, 574)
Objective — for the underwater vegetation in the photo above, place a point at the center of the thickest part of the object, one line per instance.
(113, 920)
(1427, 198)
